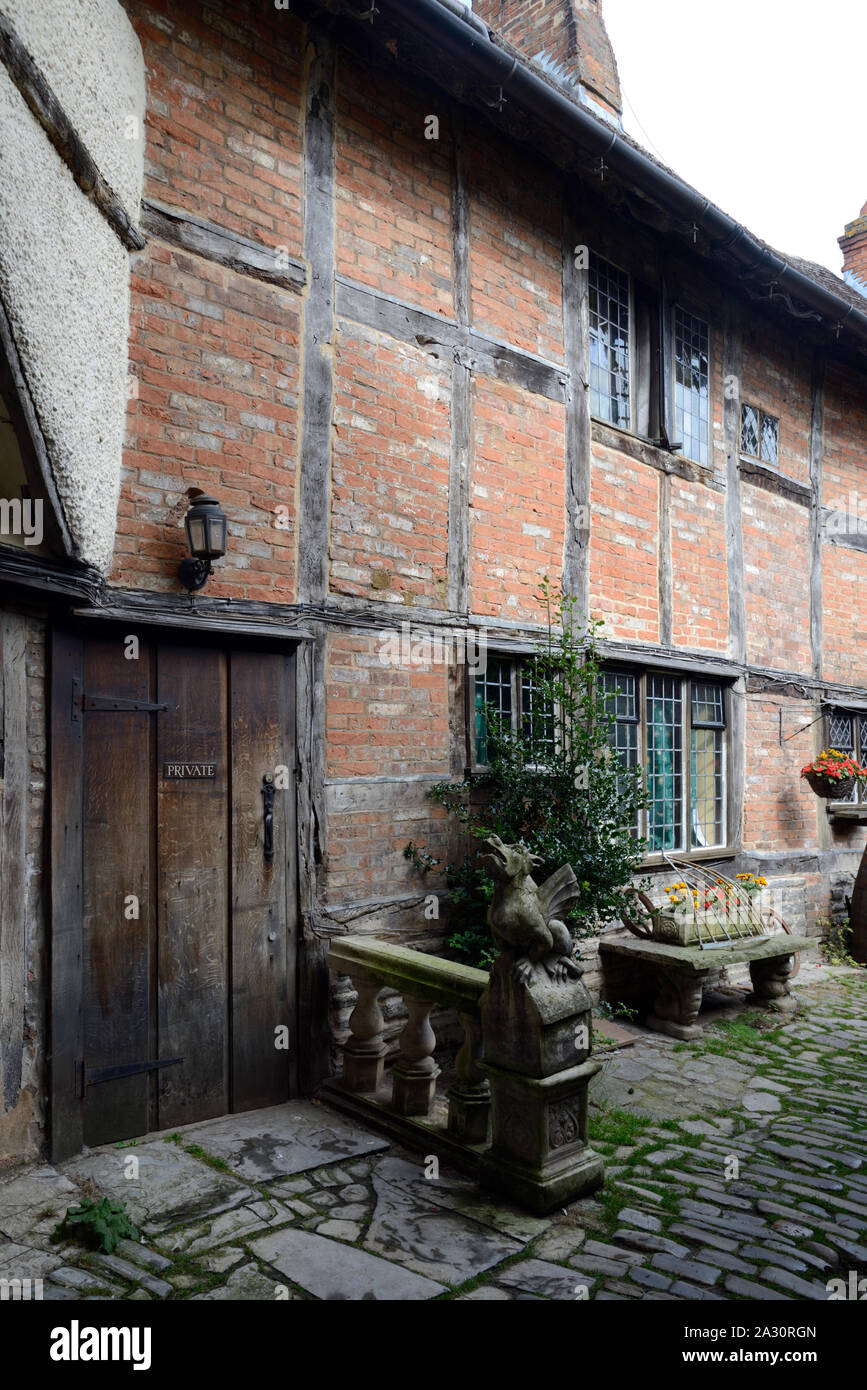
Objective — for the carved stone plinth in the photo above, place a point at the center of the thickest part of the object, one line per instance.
(415, 1072)
(539, 1155)
(536, 1045)
(770, 980)
(364, 1053)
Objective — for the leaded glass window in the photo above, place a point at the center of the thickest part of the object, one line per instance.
(664, 763)
(609, 342)
(691, 384)
(706, 766)
(760, 434)
(493, 687)
(847, 732)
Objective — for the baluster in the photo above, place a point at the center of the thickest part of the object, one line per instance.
(415, 1072)
(365, 1050)
(470, 1093)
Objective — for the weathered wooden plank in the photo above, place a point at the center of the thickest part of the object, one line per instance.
(193, 856)
(576, 321)
(66, 902)
(817, 445)
(443, 337)
(459, 489)
(652, 456)
(262, 948)
(14, 783)
(758, 475)
(315, 498)
(664, 566)
(117, 1023)
(732, 361)
(314, 1043)
(46, 108)
(228, 248)
(460, 221)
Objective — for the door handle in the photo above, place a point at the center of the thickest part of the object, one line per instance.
(268, 798)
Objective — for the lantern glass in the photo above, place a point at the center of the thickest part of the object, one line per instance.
(206, 528)
(196, 534)
(216, 526)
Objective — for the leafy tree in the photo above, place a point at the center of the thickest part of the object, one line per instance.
(554, 784)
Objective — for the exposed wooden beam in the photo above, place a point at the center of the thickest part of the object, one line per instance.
(318, 392)
(576, 335)
(817, 444)
(227, 248)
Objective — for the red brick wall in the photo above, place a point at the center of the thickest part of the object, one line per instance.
(215, 354)
(775, 377)
(390, 475)
(516, 260)
(779, 808)
(216, 360)
(384, 718)
(624, 535)
(699, 567)
(223, 114)
(393, 189)
(517, 499)
(568, 36)
(776, 580)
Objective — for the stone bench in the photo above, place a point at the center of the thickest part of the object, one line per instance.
(681, 972)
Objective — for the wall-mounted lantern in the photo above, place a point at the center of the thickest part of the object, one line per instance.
(206, 532)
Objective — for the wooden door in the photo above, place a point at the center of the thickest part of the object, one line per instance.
(174, 932)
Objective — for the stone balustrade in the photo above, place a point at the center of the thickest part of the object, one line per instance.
(424, 981)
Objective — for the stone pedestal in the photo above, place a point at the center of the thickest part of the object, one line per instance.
(770, 981)
(537, 1040)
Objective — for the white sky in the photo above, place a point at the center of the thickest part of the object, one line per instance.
(759, 104)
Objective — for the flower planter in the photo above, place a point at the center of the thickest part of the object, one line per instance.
(836, 790)
(689, 927)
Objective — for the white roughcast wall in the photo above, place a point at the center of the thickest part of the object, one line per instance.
(64, 275)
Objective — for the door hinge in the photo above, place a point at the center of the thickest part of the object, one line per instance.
(111, 703)
(93, 1077)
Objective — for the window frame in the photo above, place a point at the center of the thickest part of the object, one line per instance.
(726, 849)
(859, 741)
(763, 415)
(686, 308)
(652, 858)
(663, 315)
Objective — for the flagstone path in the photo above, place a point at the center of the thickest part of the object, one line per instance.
(736, 1168)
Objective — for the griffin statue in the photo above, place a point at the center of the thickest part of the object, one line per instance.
(523, 915)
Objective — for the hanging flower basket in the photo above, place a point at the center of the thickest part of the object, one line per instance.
(833, 774)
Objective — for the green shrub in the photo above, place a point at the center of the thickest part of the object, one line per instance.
(552, 784)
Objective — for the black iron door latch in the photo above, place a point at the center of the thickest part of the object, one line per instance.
(268, 798)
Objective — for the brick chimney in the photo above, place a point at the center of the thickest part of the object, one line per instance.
(567, 38)
(853, 244)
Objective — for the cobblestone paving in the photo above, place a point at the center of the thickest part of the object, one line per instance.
(736, 1169)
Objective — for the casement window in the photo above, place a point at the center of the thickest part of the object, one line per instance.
(649, 362)
(691, 384)
(846, 730)
(760, 434)
(508, 685)
(676, 729)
